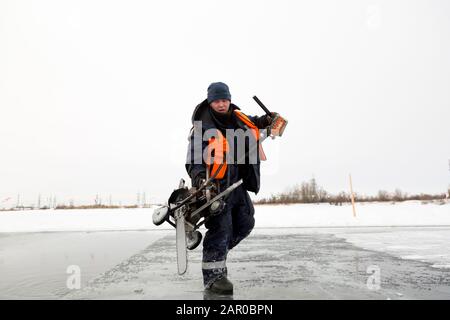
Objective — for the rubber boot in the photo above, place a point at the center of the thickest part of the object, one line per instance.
(221, 286)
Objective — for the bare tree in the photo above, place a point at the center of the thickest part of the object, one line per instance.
(383, 195)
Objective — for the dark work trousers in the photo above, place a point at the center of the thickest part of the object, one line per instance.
(224, 231)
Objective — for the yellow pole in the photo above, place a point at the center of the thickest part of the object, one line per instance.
(352, 196)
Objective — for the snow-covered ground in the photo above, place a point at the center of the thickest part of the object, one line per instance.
(76, 220)
(411, 213)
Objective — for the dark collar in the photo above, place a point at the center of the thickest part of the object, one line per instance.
(201, 113)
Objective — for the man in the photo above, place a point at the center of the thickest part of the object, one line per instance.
(225, 230)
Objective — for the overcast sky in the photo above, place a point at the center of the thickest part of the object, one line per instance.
(97, 96)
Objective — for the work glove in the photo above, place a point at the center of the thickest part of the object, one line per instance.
(213, 191)
(199, 179)
(266, 120)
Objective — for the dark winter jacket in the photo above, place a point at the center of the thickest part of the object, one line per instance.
(250, 173)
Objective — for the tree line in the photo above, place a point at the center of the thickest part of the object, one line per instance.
(311, 192)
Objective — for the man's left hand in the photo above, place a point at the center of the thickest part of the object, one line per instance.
(266, 120)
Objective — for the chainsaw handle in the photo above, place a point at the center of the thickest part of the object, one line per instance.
(262, 106)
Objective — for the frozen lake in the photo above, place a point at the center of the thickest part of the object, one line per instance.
(273, 263)
(34, 265)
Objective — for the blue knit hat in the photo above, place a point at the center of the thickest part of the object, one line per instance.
(218, 90)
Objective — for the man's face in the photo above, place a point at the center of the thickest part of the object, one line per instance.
(221, 105)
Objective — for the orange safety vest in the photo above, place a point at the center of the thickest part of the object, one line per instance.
(221, 147)
(254, 129)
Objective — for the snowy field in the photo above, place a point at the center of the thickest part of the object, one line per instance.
(411, 213)
(37, 246)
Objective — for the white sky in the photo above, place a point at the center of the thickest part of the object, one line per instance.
(97, 96)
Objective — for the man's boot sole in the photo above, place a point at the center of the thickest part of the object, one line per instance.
(221, 292)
